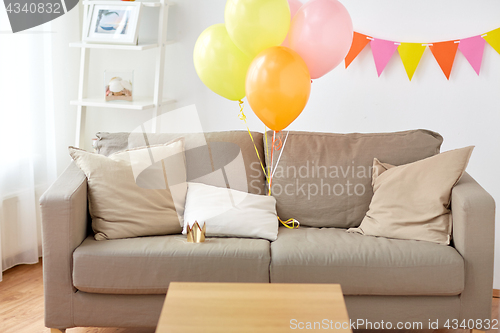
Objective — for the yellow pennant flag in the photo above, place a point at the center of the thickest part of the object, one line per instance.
(410, 54)
(493, 38)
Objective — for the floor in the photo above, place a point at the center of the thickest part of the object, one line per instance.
(21, 305)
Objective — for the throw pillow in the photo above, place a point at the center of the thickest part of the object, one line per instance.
(138, 192)
(412, 201)
(232, 213)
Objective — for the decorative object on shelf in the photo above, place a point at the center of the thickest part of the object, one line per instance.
(195, 233)
(116, 24)
(118, 85)
(444, 52)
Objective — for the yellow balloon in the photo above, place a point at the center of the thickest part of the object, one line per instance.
(255, 25)
(220, 64)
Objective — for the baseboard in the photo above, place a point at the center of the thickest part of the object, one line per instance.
(496, 293)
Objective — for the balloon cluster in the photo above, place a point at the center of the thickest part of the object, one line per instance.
(269, 50)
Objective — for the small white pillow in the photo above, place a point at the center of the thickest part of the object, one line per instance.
(232, 213)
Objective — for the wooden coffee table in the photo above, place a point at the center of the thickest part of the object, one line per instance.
(252, 307)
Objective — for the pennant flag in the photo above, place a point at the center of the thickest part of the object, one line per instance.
(382, 52)
(472, 48)
(410, 54)
(445, 52)
(359, 42)
(493, 38)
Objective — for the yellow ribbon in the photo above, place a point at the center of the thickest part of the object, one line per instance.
(294, 223)
(290, 223)
(243, 117)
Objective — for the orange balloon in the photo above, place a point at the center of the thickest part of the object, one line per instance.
(278, 85)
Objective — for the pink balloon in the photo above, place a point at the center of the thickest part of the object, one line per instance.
(321, 32)
(294, 7)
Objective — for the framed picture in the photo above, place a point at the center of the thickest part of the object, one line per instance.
(117, 23)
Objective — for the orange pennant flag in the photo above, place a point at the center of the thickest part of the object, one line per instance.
(445, 52)
(359, 42)
(410, 54)
(493, 38)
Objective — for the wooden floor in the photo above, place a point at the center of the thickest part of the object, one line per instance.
(21, 306)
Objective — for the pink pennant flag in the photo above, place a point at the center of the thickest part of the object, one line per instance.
(472, 48)
(382, 52)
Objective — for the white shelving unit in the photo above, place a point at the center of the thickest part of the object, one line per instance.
(154, 102)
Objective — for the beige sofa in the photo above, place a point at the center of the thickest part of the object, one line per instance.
(122, 283)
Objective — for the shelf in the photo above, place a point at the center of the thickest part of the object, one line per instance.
(157, 45)
(143, 45)
(144, 3)
(151, 4)
(139, 103)
(124, 3)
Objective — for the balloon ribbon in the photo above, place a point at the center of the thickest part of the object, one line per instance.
(278, 144)
(290, 223)
(243, 117)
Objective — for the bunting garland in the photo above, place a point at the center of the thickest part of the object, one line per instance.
(445, 52)
(472, 48)
(382, 53)
(493, 38)
(411, 53)
(359, 42)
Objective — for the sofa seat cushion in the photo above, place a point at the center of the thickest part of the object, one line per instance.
(146, 265)
(366, 265)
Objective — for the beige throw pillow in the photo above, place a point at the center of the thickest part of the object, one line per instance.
(412, 201)
(138, 192)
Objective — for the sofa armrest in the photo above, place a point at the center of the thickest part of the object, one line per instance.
(473, 211)
(64, 227)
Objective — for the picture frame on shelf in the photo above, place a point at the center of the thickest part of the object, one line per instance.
(114, 24)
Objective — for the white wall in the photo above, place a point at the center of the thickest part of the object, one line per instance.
(465, 110)
(65, 65)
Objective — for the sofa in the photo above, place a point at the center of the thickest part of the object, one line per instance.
(123, 282)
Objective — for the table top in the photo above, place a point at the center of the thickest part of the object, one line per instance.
(252, 307)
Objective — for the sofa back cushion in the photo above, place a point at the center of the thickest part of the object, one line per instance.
(223, 159)
(324, 179)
